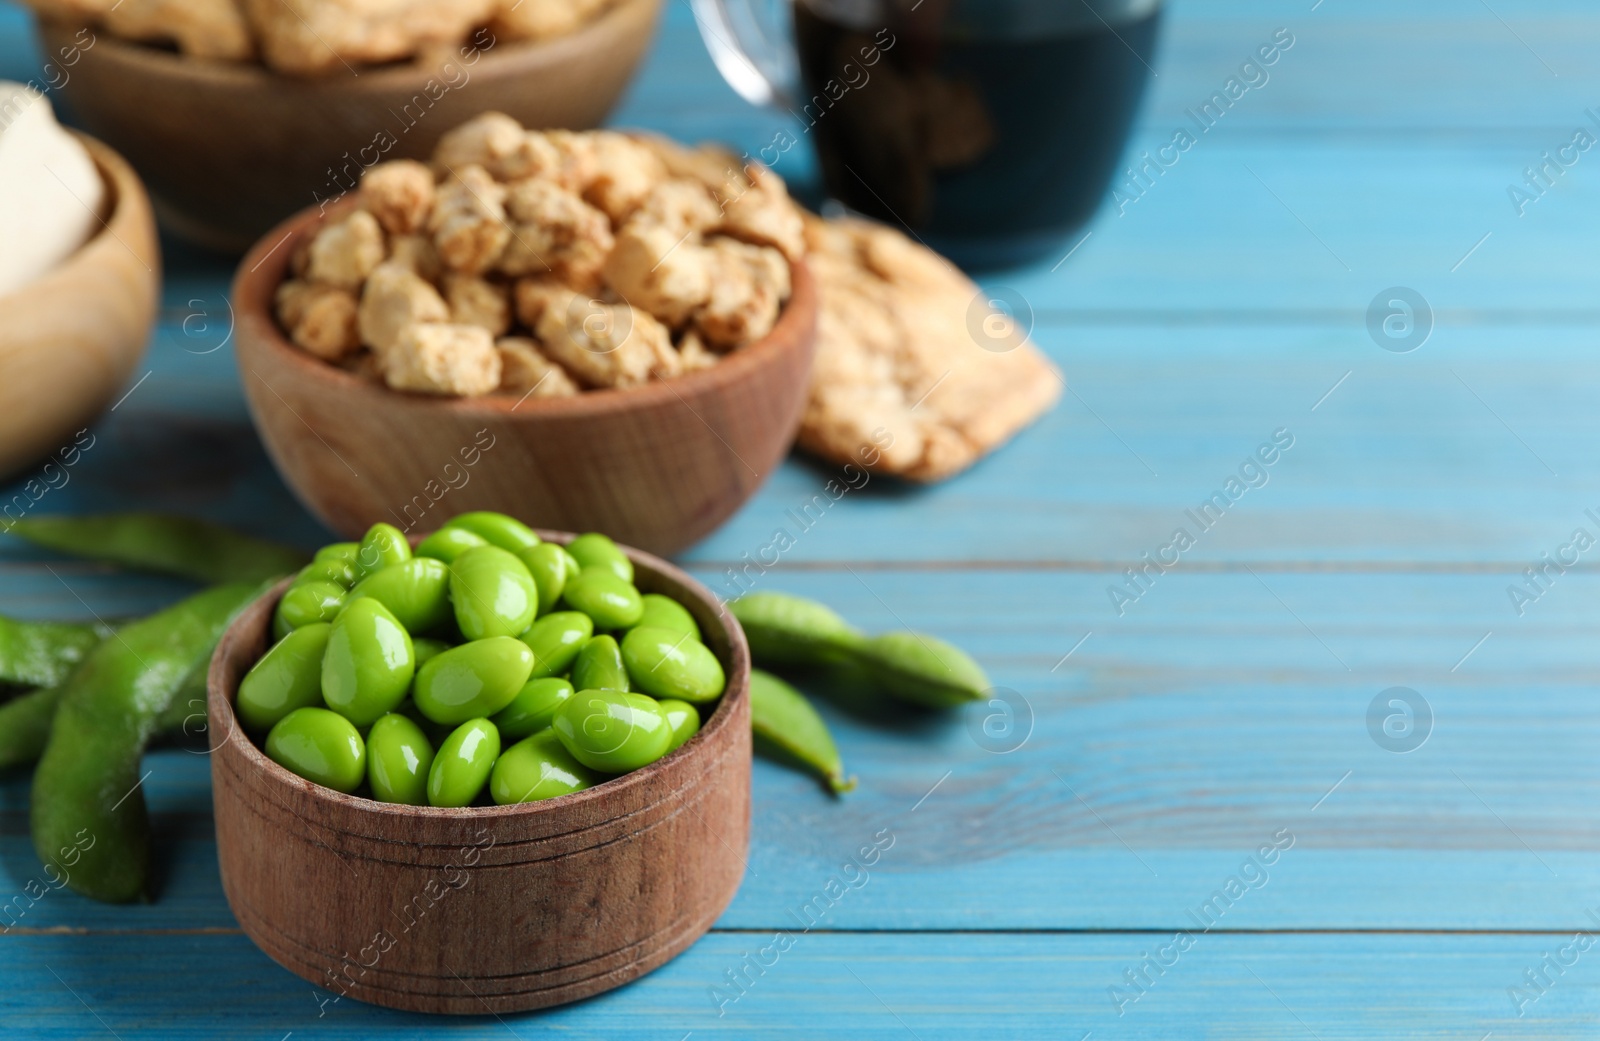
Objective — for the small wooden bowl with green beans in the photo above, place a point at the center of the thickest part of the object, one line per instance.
(475, 908)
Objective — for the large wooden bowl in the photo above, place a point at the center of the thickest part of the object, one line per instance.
(496, 909)
(658, 466)
(229, 149)
(70, 339)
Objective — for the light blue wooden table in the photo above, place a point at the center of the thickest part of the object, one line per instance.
(1058, 880)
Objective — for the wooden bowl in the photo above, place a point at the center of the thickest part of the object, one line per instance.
(231, 149)
(658, 466)
(494, 909)
(69, 340)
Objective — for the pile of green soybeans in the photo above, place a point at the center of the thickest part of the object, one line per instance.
(488, 666)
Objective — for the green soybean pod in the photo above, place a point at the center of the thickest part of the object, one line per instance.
(612, 731)
(462, 765)
(924, 670)
(683, 719)
(417, 592)
(425, 649)
(476, 679)
(787, 727)
(663, 612)
(369, 663)
(599, 666)
(497, 529)
(384, 545)
(549, 570)
(790, 630)
(25, 725)
(612, 602)
(447, 544)
(667, 664)
(321, 746)
(40, 654)
(556, 640)
(307, 604)
(493, 593)
(535, 768)
(594, 550)
(184, 546)
(399, 757)
(337, 570)
(531, 710)
(288, 677)
(346, 551)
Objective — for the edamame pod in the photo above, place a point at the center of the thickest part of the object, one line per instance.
(25, 726)
(306, 605)
(612, 602)
(790, 630)
(40, 654)
(548, 566)
(399, 757)
(87, 781)
(924, 670)
(612, 731)
(663, 612)
(417, 592)
(785, 722)
(493, 593)
(497, 529)
(369, 662)
(447, 544)
(556, 640)
(599, 666)
(531, 710)
(321, 746)
(538, 767)
(182, 546)
(382, 546)
(595, 550)
(288, 676)
(683, 719)
(461, 767)
(668, 664)
(476, 679)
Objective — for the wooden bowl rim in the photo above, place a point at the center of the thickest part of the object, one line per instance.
(257, 281)
(254, 73)
(737, 668)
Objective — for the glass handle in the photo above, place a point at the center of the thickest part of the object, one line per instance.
(750, 46)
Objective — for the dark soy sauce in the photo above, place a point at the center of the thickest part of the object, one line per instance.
(992, 142)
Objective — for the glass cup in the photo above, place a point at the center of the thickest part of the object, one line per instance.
(990, 128)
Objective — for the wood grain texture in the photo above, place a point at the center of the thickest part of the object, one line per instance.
(658, 466)
(229, 150)
(69, 339)
(501, 908)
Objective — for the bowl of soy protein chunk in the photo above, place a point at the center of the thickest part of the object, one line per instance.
(492, 769)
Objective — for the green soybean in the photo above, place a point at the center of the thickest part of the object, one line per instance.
(447, 544)
(683, 719)
(417, 592)
(535, 768)
(337, 570)
(182, 546)
(476, 679)
(924, 670)
(369, 663)
(790, 630)
(612, 602)
(668, 664)
(573, 567)
(493, 593)
(497, 529)
(399, 756)
(382, 546)
(531, 710)
(556, 640)
(612, 731)
(321, 746)
(306, 605)
(461, 767)
(596, 551)
(346, 551)
(425, 649)
(548, 566)
(288, 677)
(663, 612)
(784, 722)
(599, 666)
